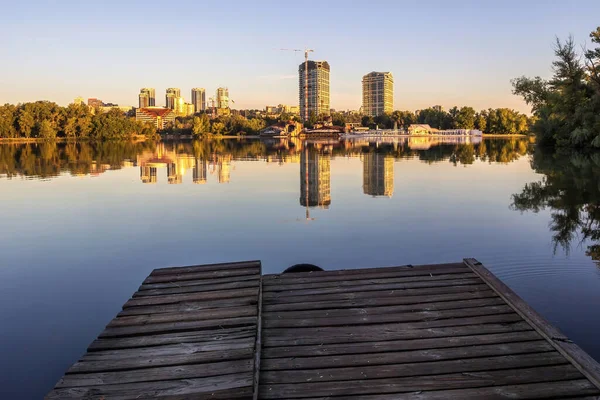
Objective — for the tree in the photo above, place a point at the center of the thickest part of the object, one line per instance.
(7, 121)
(26, 123)
(46, 130)
(201, 124)
(218, 128)
(480, 121)
(368, 121)
(566, 107)
(465, 118)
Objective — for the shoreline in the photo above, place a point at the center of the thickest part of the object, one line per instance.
(68, 140)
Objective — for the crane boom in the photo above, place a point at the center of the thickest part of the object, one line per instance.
(306, 51)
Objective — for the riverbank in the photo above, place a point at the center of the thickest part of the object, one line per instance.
(505, 135)
(134, 139)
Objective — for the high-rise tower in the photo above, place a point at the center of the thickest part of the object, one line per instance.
(317, 90)
(199, 99)
(171, 97)
(378, 93)
(147, 97)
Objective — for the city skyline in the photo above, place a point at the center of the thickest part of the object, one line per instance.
(450, 54)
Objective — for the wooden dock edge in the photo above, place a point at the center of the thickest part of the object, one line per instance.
(258, 343)
(579, 358)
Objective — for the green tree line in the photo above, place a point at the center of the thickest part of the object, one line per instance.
(496, 121)
(201, 125)
(567, 106)
(47, 120)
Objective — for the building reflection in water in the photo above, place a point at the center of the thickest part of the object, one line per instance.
(223, 163)
(315, 178)
(200, 168)
(378, 174)
(178, 163)
(148, 174)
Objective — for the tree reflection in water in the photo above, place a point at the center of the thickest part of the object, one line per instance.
(570, 189)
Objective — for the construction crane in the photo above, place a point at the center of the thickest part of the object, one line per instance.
(213, 107)
(306, 51)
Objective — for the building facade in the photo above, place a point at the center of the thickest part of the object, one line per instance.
(378, 174)
(171, 97)
(222, 98)
(199, 99)
(317, 91)
(156, 116)
(93, 102)
(147, 97)
(378, 93)
(143, 100)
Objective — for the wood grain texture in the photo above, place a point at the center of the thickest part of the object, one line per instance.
(221, 331)
(189, 332)
(547, 390)
(420, 383)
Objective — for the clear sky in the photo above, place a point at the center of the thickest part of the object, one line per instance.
(440, 52)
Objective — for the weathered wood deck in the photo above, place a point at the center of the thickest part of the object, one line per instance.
(425, 332)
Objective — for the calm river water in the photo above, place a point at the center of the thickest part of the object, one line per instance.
(84, 224)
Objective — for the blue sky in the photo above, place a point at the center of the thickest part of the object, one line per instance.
(440, 52)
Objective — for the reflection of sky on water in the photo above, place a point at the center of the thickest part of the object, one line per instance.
(74, 248)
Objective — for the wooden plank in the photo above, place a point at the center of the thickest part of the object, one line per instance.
(156, 374)
(218, 313)
(208, 336)
(184, 306)
(546, 390)
(201, 275)
(398, 345)
(393, 332)
(386, 293)
(363, 385)
(177, 326)
(386, 318)
(202, 296)
(371, 288)
(205, 267)
(349, 312)
(318, 283)
(234, 386)
(200, 288)
(198, 282)
(258, 344)
(400, 357)
(372, 273)
(589, 367)
(170, 349)
(378, 301)
(421, 383)
(124, 364)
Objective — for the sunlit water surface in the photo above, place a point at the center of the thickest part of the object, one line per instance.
(83, 225)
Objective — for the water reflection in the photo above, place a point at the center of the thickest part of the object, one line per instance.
(570, 190)
(215, 157)
(315, 177)
(378, 174)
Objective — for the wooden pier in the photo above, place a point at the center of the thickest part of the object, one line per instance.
(448, 331)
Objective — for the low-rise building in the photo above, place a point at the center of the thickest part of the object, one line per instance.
(419, 129)
(157, 116)
(123, 109)
(290, 128)
(93, 102)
